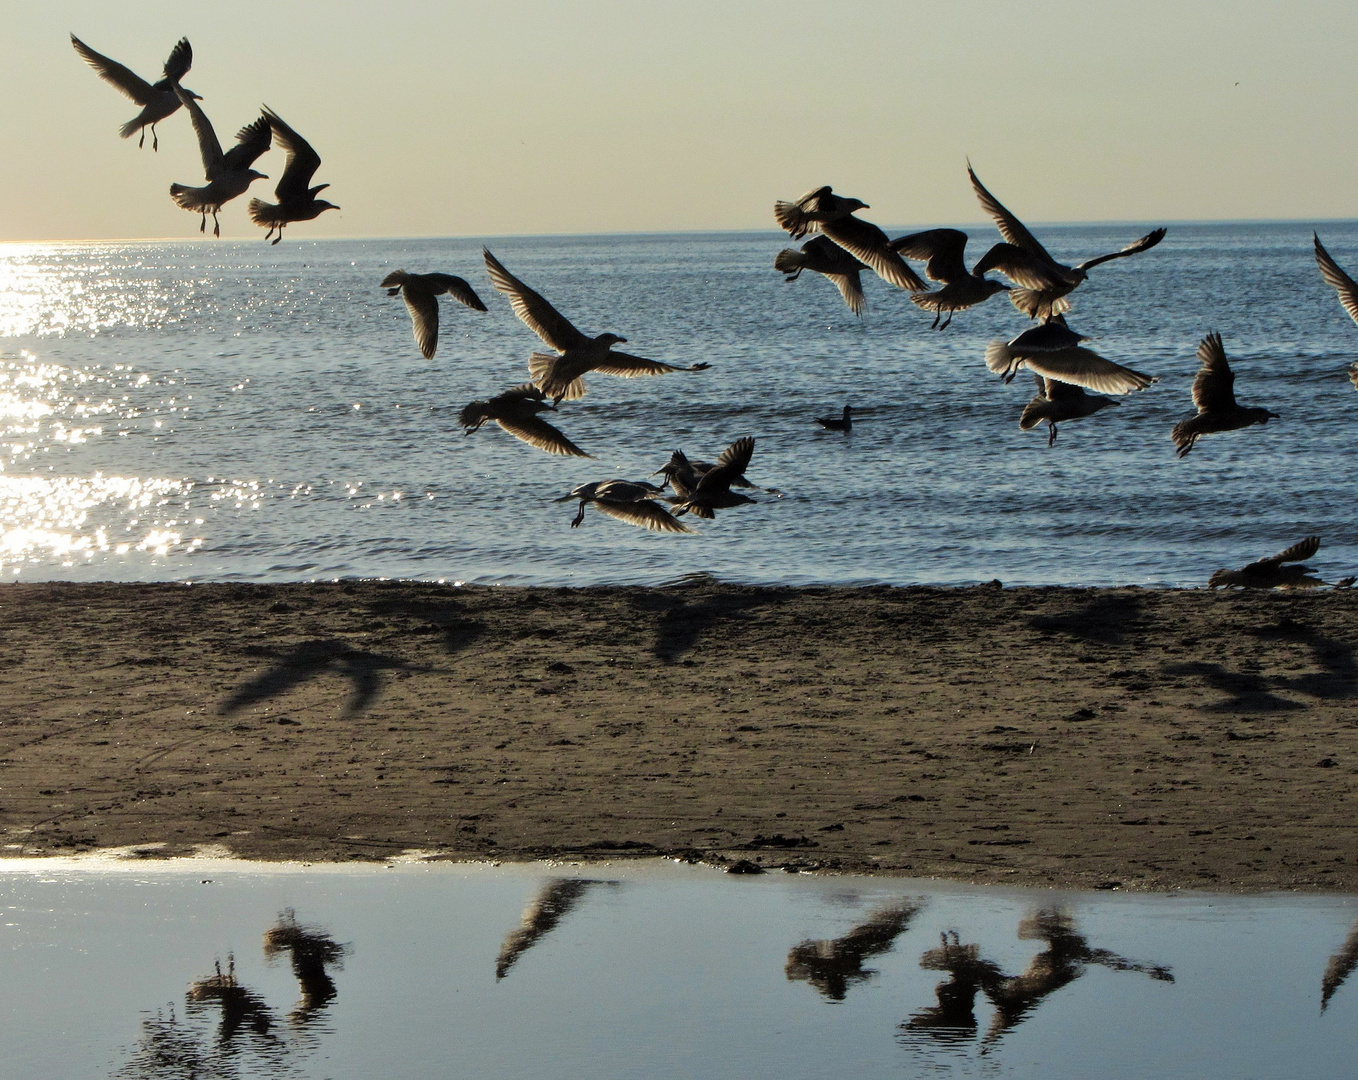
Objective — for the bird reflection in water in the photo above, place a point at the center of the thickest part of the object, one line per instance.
(311, 951)
(559, 896)
(833, 965)
(241, 1007)
(1066, 957)
(1339, 968)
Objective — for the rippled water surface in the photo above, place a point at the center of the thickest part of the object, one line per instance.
(235, 411)
(149, 972)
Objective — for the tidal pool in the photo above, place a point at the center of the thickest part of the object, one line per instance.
(139, 970)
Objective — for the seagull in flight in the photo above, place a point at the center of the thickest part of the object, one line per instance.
(228, 174)
(158, 100)
(942, 251)
(516, 411)
(421, 292)
(296, 198)
(822, 211)
(560, 376)
(1214, 395)
(1344, 285)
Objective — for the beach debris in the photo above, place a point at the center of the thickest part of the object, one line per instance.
(158, 100)
(1044, 282)
(421, 292)
(561, 376)
(1214, 395)
(296, 198)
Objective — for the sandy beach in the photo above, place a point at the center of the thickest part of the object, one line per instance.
(1092, 738)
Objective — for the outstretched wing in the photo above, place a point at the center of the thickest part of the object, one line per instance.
(1214, 386)
(115, 74)
(537, 314)
(457, 288)
(251, 141)
(208, 146)
(1011, 228)
(645, 513)
(181, 59)
(734, 460)
(295, 183)
(869, 245)
(629, 367)
(1298, 552)
(1084, 367)
(1340, 281)
(424, 318)
(942, 249)
(539, 433)
(1022, 267)
(850, 287)
(1135, 248)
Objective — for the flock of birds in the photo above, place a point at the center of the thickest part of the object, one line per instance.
(844, 245)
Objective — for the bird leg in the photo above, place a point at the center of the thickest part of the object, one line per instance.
(948, 320)
(1051, 435)
(202, 221)
(937, 315)
(142, 141)
(279, 236)
(216, 225)
(155, 139)
(270, 232)
(579, 517)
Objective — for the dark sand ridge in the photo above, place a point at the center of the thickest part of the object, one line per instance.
(1038, 736)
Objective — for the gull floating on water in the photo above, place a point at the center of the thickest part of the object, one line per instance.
(713, 491)
(942, 251)
(843, 422)
(1057, 402)
(296, 199)
(823, 256)
(1345, 286)
(1282, 571)
(1045, 282)
(228, 174)
(1053, 349)
(1214, 395)
(516, 411)
(627, 500)
(158, 100)
(561, 376)
(421, 293)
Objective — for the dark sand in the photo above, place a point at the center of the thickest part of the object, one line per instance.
(1144, 739)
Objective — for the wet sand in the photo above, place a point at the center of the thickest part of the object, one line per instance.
(1067, 737)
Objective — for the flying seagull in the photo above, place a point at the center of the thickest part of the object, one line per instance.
(627, 500)
(228, 174)
(1345, 286)
(822, 211)
(814, 209)
(158, 100)
(516, 411)
(1214, 395)
(296, 199)
(1053, 349)
(1045, 282)
(421, 292)
(823, 256)
(561, 376)
(1057, 402)
(1282, 571)
(713, 489)
(942, 251)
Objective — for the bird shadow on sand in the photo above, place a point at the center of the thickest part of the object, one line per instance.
(444, 618)
(1108, 619)
(684, 620)
(307, 661)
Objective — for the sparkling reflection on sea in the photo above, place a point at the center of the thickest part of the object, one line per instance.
(235, 411)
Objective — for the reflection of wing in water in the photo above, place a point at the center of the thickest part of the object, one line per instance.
(1062, 962)
(556, 900)
(953, 1019)
(832, 965)
(310, 950)
(1339, 968)
(240, 1006)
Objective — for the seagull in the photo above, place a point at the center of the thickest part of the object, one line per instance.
(713, 490)
(296, 199)
(1057, 401)
(814, 209)
(683, 475)
(228, 174)
(627, 500)
(1054, 350)
(1345, 286)
(1045, 282)
(561, 376)
(516, 411)
(1282, 571)
(823, 256)
(421, 292)
(1214, 395)
(157, 100)
(942, 251)
(832, 215)
(842, 423)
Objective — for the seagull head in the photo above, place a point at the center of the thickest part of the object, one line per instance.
(610, 339)
(255, 174)
(190, 93)
(322, 206)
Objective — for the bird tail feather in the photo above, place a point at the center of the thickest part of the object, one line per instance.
(263, 213)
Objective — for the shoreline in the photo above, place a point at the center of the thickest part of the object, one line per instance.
(1083, 738)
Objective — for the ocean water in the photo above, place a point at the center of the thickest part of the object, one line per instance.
(234, 411)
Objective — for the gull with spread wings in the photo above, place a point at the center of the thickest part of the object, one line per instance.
(1044, 282)
(228, 174)
(296, 198)
(421, 292)
(516, 411)
(1054, 350)
(157, 100)
(712, 491)
(562, 376)
(1345, 286)
(942, 251)
(1214, 395)
(1281, 571)
(823, 256)
(821, 211)
(1056, 402)
(627, 500)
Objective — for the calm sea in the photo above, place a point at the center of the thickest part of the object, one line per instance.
(234, 411)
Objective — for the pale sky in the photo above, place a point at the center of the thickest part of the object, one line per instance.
(447, 118)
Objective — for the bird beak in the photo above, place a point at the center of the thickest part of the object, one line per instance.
(196, 97)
